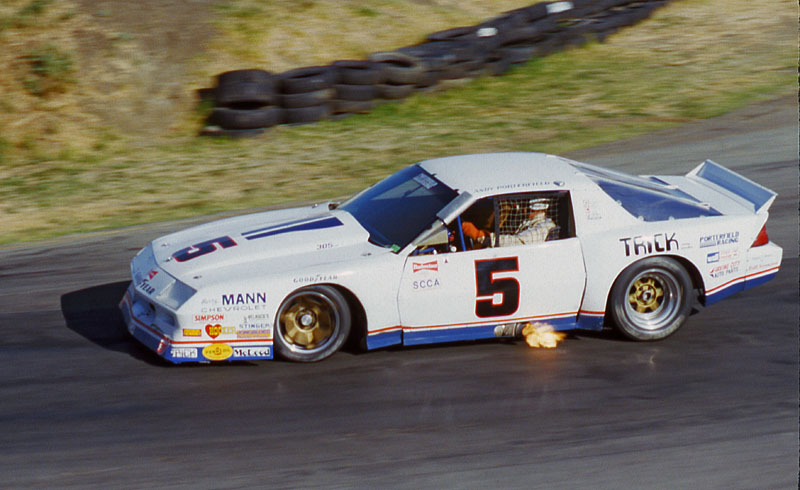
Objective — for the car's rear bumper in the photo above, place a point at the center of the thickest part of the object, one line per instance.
(760, 265)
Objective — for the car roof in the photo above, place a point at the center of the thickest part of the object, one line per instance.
(501, 173)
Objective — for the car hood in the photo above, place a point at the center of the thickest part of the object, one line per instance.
(262, 243)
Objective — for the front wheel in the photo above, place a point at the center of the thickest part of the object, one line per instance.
(651, 299)
(312, 323)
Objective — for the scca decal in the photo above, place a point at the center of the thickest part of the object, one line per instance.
(203, 248)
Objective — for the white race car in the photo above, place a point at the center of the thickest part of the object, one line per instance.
(451, 249)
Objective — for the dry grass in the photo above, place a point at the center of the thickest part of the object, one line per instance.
(91, 172)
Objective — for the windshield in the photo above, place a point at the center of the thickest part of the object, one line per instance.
(397, 209)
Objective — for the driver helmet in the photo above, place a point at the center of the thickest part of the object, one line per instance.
(540, 204)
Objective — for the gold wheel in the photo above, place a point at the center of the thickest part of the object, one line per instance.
(646, 295)
(308, 322)
(311, 324)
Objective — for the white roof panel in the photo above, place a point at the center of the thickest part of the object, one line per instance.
(497, 173)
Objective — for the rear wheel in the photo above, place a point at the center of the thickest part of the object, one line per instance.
(651, 299)
(312, 324)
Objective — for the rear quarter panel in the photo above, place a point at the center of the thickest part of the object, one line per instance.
(714, 249)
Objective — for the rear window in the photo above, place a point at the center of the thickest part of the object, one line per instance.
(647, 200)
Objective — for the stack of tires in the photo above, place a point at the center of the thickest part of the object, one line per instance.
(307, 94)
(400, 74)
(245, 103)
(356, 85)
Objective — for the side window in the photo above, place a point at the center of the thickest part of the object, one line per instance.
(505, 221)
(530, 218)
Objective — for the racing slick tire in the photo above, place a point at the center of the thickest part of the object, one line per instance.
(312, 324)
(651, 299)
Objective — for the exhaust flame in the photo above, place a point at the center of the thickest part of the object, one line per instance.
(542, 335)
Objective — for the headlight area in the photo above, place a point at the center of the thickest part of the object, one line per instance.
(149, 322)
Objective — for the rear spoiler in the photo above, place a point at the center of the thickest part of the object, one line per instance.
(733, 185)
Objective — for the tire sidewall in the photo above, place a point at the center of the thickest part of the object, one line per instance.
(619, 296)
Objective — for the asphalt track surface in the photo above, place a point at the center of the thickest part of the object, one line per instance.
(714, 406)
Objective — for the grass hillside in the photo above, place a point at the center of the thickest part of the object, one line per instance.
(98, 114)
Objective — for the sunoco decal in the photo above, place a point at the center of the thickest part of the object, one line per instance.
(217, 352)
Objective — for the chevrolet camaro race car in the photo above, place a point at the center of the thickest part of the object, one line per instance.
(452, 249)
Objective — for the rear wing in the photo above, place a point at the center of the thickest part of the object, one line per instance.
(741, 189)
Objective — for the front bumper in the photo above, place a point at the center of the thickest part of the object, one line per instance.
(149, 324)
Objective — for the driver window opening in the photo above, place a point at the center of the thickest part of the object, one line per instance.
(505, 221)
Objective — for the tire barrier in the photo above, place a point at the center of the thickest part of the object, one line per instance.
(245, 103)
(248, 101)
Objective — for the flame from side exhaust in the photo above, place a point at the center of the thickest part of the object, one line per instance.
(542, 335)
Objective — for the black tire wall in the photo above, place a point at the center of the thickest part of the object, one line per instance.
(248, 101)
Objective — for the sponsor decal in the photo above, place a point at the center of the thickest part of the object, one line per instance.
(209, 318)
(425, 284)
(203, 248)
(254, 333)
(432, 265)
(213, 331)
(152, 274)
(315, 278)
(591, 212)
(524, 184)
(718, 239)
(228, 309)
(183, 352)
(645, 245)
(425, 181)
(244, 299)
(729, 254)
(722, 256)
(761, 265)
(146, 287)
(251, 352)
(192, 332)
(725, 269)
(217, 352)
